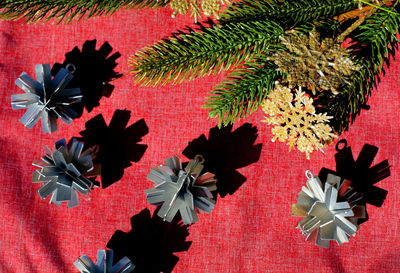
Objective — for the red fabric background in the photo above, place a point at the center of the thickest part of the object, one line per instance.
(249, 231)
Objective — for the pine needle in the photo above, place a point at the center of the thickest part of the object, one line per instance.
(242, 92)
(191, 54)
(66, 10)
(290, 13)
(374, 44)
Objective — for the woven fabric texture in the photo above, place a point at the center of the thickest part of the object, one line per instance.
(251, 230)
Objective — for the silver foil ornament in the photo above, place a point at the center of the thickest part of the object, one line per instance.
(104, 263)
(181, 190)
(46, 98)
(326, 218)
(62, 173)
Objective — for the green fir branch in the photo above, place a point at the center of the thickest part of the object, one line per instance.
(212, 49)
(247, 87)
(185, 56)
(243, 92)
(375, 42)
(66, 10)
(247, 32)
(286, 12)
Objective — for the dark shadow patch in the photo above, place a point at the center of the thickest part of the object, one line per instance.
(151, 243)
(117, 144)
(225, 151)
(363, 177)
(93, 74)
(8, 39)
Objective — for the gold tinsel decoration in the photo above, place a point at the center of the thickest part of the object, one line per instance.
(295, 120)
(207, 7)
(317, 65)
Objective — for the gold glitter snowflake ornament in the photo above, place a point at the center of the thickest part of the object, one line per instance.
(208, 7)
(295, 120)
(314, 63)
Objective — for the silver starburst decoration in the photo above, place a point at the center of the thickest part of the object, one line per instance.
(183, 190)
(62, 173)
(326, 218)
(104, 263)
(46, 98)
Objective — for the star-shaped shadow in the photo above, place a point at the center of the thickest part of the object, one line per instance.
(363, 177)
(94, 72)
(225, 151)
(151, 243)
(117, 144)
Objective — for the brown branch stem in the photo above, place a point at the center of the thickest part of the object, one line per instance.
(360, 20)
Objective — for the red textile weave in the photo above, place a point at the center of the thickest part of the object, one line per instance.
(249, 231)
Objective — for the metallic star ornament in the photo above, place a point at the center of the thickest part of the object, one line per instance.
(62, 173)
(181, 190)
(104, 263)
(46, 98)
(326, 218)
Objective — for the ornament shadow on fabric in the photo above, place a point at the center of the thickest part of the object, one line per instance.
(224, 152)
(117, 144)
(47, 98)
(360, 173)
(63, 173)
(94, 72)
(104, 263)
(184, 189)
(151, 242)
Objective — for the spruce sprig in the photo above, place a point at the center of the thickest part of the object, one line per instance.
(288, 13)
(218, 47)
(66, 10)
(242, 92)
(375, 42)
(194, 53)
(244, 37)
(247, 87)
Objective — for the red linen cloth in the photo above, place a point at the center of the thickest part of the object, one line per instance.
(249, 231)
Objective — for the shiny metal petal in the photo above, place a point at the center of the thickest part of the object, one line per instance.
(181, 190)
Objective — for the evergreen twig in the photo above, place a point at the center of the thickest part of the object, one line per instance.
(247, 33)
(361, 20)
(288, 13)
(191, 54)
(243, 92)
(248, 86)
(66, 10)
(374, 43)
(194, 53)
